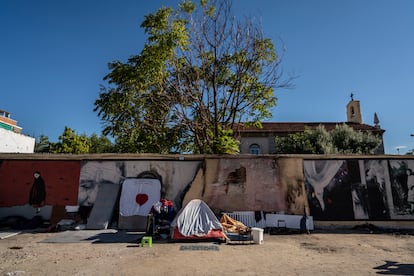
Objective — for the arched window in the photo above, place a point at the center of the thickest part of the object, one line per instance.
(254, 149)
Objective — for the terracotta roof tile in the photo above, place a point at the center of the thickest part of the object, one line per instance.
(291, 127)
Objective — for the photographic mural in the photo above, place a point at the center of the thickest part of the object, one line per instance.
(174, 176)
(336, 189)
(360, 189)
(402, 186)
(328, 184)
(96, 173)
(374, 191)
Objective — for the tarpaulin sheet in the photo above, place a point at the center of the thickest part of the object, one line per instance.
(197, 219)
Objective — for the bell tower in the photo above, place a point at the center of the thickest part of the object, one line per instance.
(353, 111)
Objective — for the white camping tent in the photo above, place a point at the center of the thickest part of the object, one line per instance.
(196, 221)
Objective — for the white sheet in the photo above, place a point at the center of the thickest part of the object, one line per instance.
(138, 196)
(196, 218)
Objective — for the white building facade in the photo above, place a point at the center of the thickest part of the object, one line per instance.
(11, 138)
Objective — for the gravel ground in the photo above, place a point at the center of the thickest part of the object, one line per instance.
(320, 253)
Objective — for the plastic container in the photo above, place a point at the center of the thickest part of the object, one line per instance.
(257, 234)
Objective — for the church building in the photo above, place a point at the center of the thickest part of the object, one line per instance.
(255, 140)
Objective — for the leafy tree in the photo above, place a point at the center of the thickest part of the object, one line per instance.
(347, 140)
(343, 139)
(225, 142)
(200, 73)
(43, 145)
(311, 141)
(70, 142)
(100, 144)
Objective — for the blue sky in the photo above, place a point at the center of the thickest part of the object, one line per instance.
(54, 55)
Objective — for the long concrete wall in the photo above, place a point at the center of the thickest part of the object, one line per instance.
(327, 187)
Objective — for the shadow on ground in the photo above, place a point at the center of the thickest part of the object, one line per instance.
(95, 236)
(395, 268)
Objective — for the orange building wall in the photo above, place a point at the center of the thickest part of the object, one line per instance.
(8, 120)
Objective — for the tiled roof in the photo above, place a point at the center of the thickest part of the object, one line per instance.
(292, 127)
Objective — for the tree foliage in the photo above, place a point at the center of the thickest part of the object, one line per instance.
(70, 142)
(343, 139)
(200, 73)
(42, 145)
(347, 140)
(100, 144)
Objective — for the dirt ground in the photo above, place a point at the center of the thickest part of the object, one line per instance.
(320, 253)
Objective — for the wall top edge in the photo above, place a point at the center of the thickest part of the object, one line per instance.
(185, 157)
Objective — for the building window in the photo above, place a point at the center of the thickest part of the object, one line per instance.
(254, 149)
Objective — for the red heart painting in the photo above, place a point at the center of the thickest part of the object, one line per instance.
(141, 199)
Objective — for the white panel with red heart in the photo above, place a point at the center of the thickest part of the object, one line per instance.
(138, 196)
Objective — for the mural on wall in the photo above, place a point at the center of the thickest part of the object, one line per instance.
(37, 196)
(95, 173)
(61, 181)
(375, 189)
(373, 197)
(350, 189)
(328, 185)
(402, 187)
(173, 176)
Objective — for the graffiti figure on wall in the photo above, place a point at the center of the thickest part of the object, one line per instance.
(37, 195)
(95, 173)
(376, 195)
(328, 186)
(410, 197)
(370, 195)
(402, 186)
(93, 176)
(360, 189)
